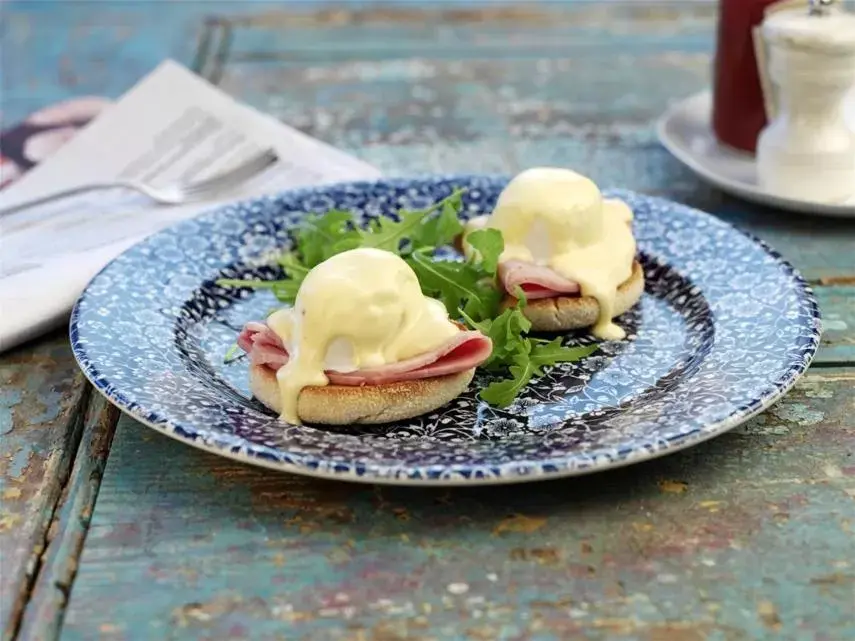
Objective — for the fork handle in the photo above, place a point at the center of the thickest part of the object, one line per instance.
(63, 193)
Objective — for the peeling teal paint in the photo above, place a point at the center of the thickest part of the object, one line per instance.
(20, 459)
(51, 399)
(834, 325)
(9, 397)
(798, 413)
(184, 545)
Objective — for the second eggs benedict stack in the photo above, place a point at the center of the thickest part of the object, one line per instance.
(569, 250)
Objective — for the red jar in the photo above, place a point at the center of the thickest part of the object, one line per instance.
(739, 113)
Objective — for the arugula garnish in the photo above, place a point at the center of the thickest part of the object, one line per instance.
(529, 360)
(523, 356)
(468, 288)
(232, 354)
(322, 236)
(460, 286)
(442, 229)
(416, 229)
(508, 333)
(488, 245)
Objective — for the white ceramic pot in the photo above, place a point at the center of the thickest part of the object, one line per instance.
(808, 149)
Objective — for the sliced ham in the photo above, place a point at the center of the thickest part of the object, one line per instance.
(263, 346)
(466, 350)
(247, 336)
(536, 281)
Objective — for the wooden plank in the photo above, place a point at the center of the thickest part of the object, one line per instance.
(41, 393)
(46, 606)
(838, 337)
(749, 536)
(63, 50)
(222, 551)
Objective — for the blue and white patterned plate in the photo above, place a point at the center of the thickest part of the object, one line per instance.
(724, 329)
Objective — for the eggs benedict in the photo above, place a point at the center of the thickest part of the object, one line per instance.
(570, 250)
(361, 344)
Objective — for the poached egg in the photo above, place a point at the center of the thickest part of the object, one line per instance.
(360, 309)
(557, 218)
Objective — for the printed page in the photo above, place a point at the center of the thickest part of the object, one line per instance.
(172, 126)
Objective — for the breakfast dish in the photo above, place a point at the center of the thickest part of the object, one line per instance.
(362, 344)
(569, 250)
(723, 329)
(373, 306)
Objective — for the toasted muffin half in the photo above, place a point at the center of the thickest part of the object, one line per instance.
(563, 313)
(365, 404)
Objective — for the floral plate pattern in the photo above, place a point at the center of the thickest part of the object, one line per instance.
(724, 329)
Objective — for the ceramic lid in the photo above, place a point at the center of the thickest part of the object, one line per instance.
(833, 32)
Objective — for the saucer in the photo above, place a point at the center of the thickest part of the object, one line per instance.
(686, 132)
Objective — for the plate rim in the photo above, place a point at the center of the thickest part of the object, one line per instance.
(715, 430)
(778, 389)
(746, 191)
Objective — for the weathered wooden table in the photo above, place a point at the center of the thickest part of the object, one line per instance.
(111, 531)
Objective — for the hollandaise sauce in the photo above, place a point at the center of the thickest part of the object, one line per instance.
(557, 218)
(360, 309)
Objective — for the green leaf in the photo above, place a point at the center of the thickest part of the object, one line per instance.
(482, 326)
(442, 229)
(286, 290)
(321, 237)
(507, 331)
(454, 283)
(523, 356)
(488, 245)
(255, 284)
(344, 244)
(292, 265)
(528, 365)
(232, 354)
(460, 286)
(502, 393)
(545, 353)
(389, 234)
(486, 303)
(416, 229)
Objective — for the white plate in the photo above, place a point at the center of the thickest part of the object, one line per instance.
(686, 131)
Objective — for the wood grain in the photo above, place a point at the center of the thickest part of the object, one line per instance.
(70, 524)
(746, 537)
(40, 425)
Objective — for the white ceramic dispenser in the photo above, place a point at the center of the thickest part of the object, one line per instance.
(807, 151)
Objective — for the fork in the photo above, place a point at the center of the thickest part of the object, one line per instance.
(172, 194)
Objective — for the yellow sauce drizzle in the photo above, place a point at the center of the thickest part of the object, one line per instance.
(359, 309)
(558, 218)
